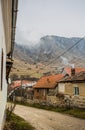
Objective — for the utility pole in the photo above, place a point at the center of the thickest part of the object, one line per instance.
(21, 88)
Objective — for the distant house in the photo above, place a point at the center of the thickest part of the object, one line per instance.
(46, 86)
(23, 83)
(21, 88)
(73, 87)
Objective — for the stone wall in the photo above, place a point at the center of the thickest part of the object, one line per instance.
(58, 101)
(78, 102)
(55, 101)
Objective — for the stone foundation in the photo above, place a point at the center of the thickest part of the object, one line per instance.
(78, 102)
(66, 101)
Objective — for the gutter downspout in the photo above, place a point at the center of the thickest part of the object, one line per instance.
(14, 18)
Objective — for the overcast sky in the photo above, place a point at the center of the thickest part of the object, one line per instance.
(37, 18)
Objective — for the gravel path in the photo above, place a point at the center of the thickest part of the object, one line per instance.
(47, 120)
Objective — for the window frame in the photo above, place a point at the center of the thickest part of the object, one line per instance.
(76, 90)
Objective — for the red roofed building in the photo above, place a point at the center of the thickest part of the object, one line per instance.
(45, 84)
(24, 83)
(15, 84)
(70, 70)
(18, 85)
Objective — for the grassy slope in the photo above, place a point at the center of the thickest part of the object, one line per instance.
(17, 123)
(22, 68)
(33, 70)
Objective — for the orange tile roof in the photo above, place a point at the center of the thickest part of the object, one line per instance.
(77, 70)
(48, 81)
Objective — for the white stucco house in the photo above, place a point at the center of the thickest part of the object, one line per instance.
(8, 14)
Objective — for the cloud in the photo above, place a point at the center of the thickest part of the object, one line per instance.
(33, 36)
(28, 36)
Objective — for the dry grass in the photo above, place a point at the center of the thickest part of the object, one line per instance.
(17, 123)
(23, 68)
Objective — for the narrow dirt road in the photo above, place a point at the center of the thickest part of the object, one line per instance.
(47, 120)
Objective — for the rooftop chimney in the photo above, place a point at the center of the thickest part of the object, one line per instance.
(72, 70)
(72, 65)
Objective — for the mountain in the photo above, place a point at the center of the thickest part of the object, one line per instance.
(49, 56)
(51, 48)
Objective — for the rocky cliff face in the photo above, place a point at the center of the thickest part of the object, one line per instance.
(50, 48)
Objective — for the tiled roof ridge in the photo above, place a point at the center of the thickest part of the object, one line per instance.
(73, 78)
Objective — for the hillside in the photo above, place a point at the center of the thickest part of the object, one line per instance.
(49, 50)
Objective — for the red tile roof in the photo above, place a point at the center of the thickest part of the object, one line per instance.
(18, 83)
(79, 77)
(15, 84)
(48, 81)
(77, 70)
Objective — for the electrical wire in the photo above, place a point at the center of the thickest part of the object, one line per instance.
(63, 53)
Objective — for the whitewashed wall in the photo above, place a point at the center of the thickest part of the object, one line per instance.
(3, 92)
(61, 88)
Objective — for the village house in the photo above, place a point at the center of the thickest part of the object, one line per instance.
(21, 89)
(47, 85)
(73, 88)
(8, 15)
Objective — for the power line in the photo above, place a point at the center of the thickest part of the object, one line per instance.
(79, 58)
(23, 72)
(65, 51)
(60, 55)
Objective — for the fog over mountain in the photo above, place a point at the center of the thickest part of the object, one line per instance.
(50, 48)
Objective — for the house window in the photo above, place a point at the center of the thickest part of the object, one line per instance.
(76, 90)
(1, 70)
